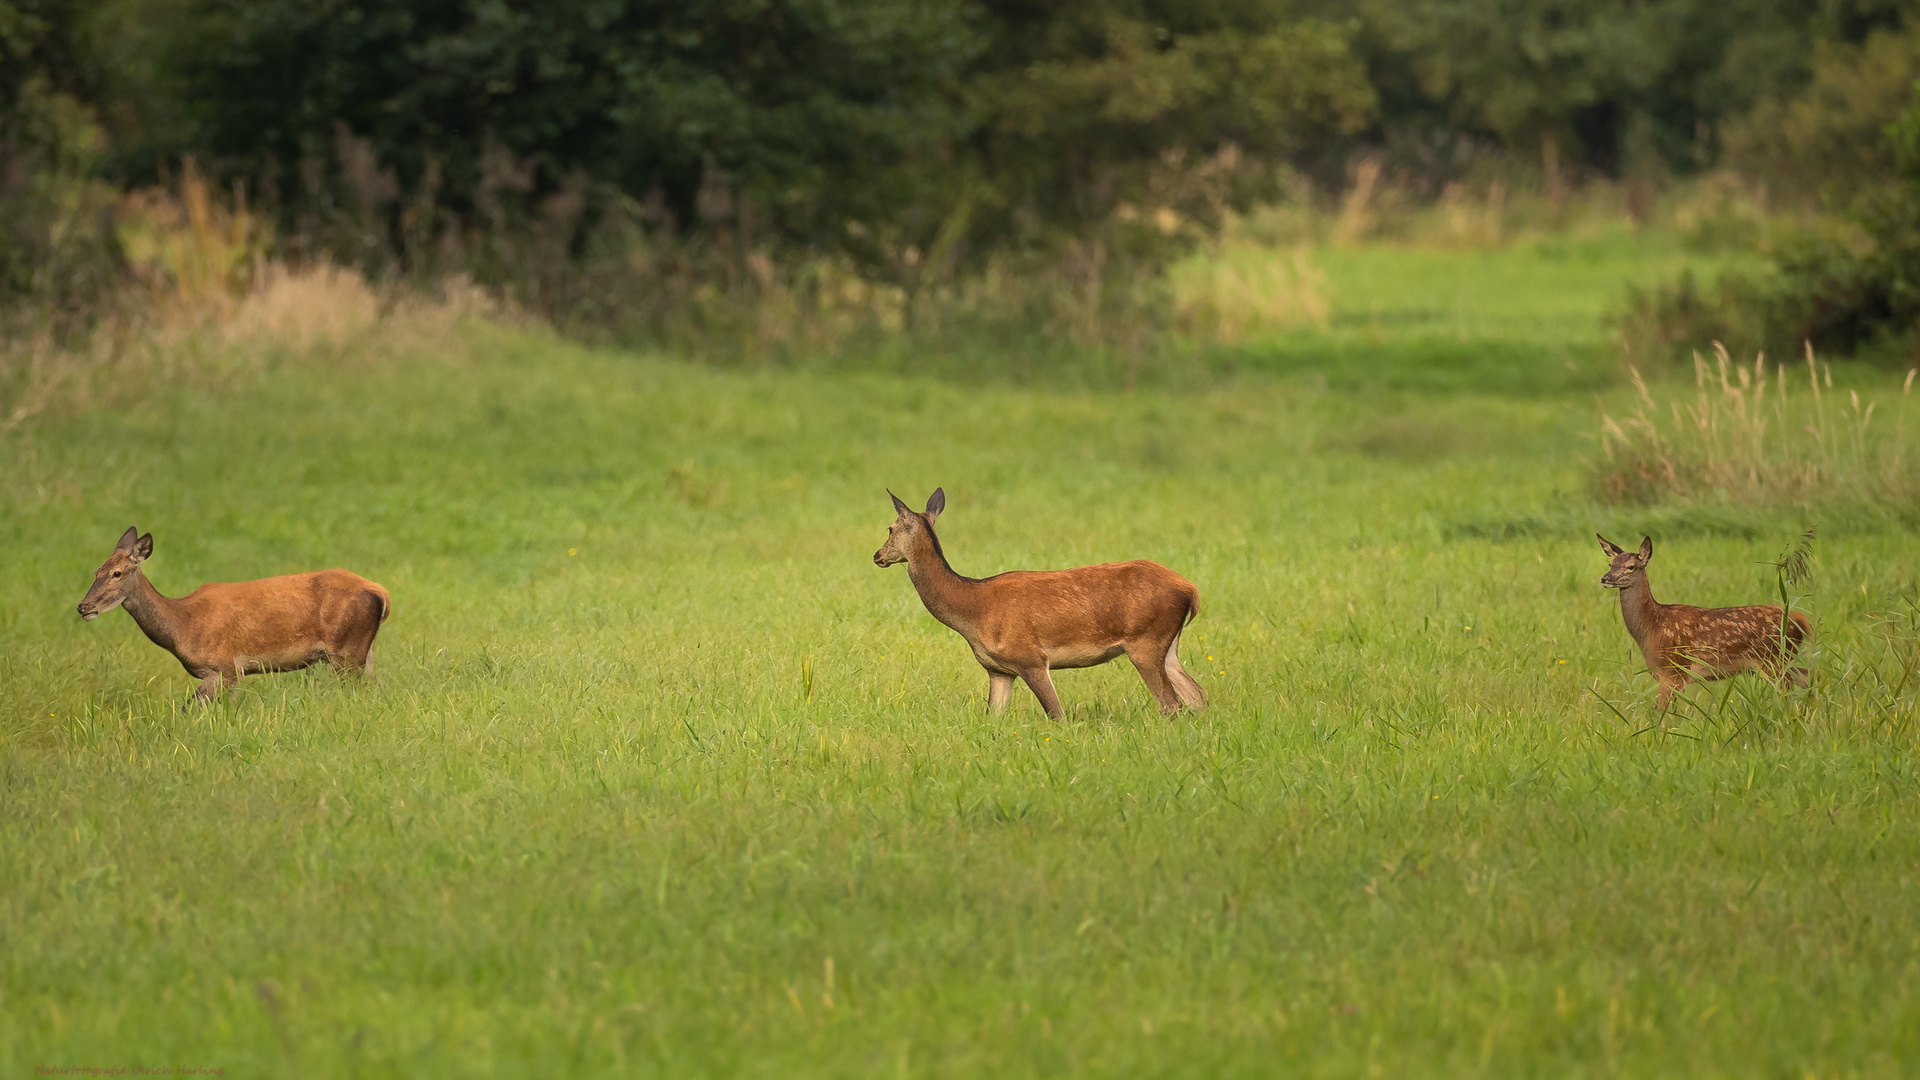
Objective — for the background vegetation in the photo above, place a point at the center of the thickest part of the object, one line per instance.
(811, 176)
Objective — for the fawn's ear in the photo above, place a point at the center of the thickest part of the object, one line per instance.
(936, 502)
(126, 541)
(1646, 548)
(1609, 547)
(143, 548)
(898, 506)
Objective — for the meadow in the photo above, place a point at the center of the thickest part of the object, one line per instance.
(658, 774)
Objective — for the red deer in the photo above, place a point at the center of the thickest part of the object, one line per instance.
(222, 631)
(1028, 622)
(1682, 644)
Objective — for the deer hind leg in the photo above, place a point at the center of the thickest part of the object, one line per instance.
(1040, 682)
(354, 644)
(1191, 694)
(1778, 665)
(999, 690)
(1150, 661)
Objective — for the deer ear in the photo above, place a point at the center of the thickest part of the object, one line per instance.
(125, 543)
(898, 506)
(142, 548)
(1646, 547)
(936, 502)
(1609, 546)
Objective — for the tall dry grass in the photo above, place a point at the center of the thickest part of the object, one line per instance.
(1238, 288)
(1752, 434)
(208, 303)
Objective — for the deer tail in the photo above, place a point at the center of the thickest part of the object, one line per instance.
(1193, 605)
(382, 604)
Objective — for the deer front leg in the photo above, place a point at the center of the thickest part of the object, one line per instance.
(1672, 681)
(999, 690)
(214, 685)
(1040, 682)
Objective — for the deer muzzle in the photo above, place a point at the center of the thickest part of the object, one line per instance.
(91, 610)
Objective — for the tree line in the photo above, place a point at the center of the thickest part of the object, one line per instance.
(918, 139)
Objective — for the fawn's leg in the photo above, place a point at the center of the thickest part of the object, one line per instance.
(1040, 682)
(1672, 681)
(999, 689)
(1150, 660)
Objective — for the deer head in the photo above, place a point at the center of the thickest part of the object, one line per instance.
(114, 580)
(1627, 565)
(910, 528)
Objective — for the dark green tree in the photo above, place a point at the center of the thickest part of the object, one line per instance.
(913, 135)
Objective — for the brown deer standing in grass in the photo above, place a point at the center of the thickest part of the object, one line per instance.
(222, 631)
(1682, 644)
(1028, 622)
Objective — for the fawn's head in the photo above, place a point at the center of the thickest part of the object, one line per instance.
(1627, 565)
(113, 582)
(910, 528)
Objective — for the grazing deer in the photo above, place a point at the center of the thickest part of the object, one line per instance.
(1028, 622)
(1682, 644)
(222, 631)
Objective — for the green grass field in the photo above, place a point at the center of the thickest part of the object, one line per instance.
(658, 774)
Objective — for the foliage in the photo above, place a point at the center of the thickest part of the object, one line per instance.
(1827, 142)
(911, 137)
(659, 173)
(1616, 86)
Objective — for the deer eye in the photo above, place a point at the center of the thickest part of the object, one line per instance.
(116, 573)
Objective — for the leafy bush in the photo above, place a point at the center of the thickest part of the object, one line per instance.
(1848, 280)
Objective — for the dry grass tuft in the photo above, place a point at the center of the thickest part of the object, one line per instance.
(302, 308)
(1750, 435)
(1241, 289)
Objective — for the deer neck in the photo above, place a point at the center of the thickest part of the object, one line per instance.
(949, 597)
(158, 617)
(1638, 609)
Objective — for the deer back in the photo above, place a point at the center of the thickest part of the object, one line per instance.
(1107, 602)
(274, 615)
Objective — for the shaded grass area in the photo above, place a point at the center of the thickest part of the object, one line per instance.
(1529, 318)
(659, 774)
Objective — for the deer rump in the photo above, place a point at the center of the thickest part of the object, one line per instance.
(1081, 617)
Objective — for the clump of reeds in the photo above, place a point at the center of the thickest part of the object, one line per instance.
(1754, 434)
